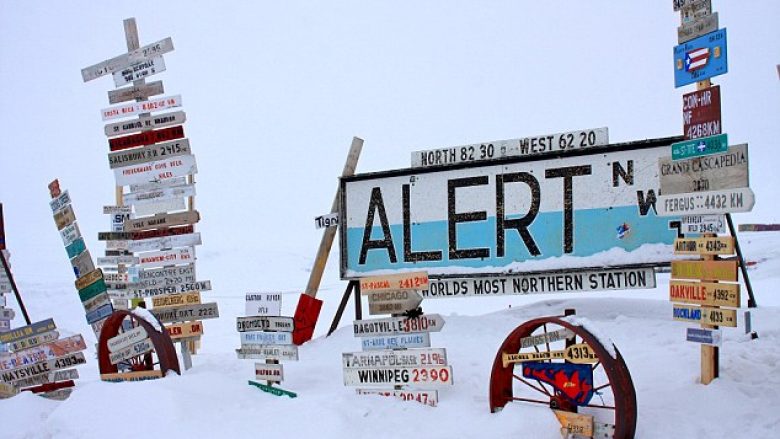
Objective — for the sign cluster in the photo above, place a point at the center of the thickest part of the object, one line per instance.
(39, 360)
(150, 249)
(267, 335)
(397, 359)
(90, 282)
(6, 314)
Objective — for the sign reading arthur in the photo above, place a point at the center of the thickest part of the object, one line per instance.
(592, 208)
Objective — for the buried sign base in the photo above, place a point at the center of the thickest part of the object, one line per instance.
(273, 390)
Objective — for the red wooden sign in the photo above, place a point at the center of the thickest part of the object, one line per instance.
(146, 138)
(701, 113)
(159, 233)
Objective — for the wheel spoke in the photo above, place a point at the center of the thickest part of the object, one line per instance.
(514, 398)
(542, 390)
(602, 386)
(600, 406)
(598, 363)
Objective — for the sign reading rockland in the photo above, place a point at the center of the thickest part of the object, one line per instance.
(521, 215)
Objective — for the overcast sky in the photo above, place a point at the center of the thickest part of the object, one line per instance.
(274, 92)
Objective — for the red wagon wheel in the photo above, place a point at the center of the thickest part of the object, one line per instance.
(162, 357)
(609, 397)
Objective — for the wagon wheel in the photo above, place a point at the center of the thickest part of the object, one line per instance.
(613, 399)
(162, 357)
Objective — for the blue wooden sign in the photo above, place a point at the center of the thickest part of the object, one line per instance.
(701, 58)
(704, 336)
(100, 313)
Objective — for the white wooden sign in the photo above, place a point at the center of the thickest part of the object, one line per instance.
(266, 338)
(269, 372)
(177, 256)
(120, 62)
(136, 108)
(418, 340)
(158, 151)
(162, 220)
(145, 245)
(145, 123)
(187, 312)
(393, 302)
(155, 185)
(127, 338)
(70, 233)
(152, 277)
(264, 323)
(711, 202)
(263, 304)
(159, 170)
(427, 397)
(159, 207)
(419, 376)
(140, 347)
(703, 224)
(135, 92)
(172, 289)
(140, 70)
(398, 325)
(329, 220)
(43, 367)
(267, 352)
(395, 358)
(713, 172)
(137, 198)
(549, 337)
(117, 260)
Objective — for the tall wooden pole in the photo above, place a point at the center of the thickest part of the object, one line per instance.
(7, 269)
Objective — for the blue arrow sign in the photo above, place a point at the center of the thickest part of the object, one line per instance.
(701, 58)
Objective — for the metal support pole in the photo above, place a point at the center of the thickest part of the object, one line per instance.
(751, 298)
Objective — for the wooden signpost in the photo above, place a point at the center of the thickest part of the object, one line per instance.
(145, 123)
(577, 354)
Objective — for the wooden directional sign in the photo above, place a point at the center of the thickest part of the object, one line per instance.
(414, 340)
(697, 28)
(392, 358)
(163, 242)
(155, 185)
(710, 202)
(393, 302)
(723, 245)
(70, 233)
(276, 391)
(711, 337)
(34, 329)
(159, 170)
(157, 277)
(176, 299)
(701, 113)
(701, 58)
(136, 108)
(702, 224)
(705, 315)
(164, 220)
(269, 372)
(580, 353)
(140, 347)
(404, 281)
(187, 312)
(700, 147)
(111, 210)
(43, 367)
(173, 289)
(121, 277)
(695, 9)
(7, 314)
(716, 172)
(96, 302)
(265, 338)
(427, 397)
(118, 144)
(116, 260)
(93, 290)
(419, 376)
(137, 198)
(709, 270)
(329, 220)
(185, 330)
(148, 153)
(143, 375)
(267, 352)
(177, 256)
(705, 293)
(264, 323)
(120, 62)
(127, 338)
(60, 202)
(141, 70)
(145, 123)
(34, 340)
(398, 325)
(135, 92)
(263, 304)
(100, 313)
(89, 279)
(53, 377)
(46, 351)
(64, 217)
(75, 248)
(546, 338)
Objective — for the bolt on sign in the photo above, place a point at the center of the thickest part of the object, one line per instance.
(701, 113)
(701, 58)
(483, 218)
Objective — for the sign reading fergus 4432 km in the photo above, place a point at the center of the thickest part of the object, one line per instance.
(520, 215)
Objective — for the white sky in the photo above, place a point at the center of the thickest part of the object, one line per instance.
(274, 92)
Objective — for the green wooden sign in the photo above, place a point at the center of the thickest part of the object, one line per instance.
(273, 390)
(92, 290)
(699, 147)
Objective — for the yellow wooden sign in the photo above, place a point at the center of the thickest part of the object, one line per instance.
(132, 376)
(575, 423)
(708, 270)
(176, 299)
(185, 330)
(89, 279)
(579, 353)
(723, 245)
(705, 315)
(704, 293)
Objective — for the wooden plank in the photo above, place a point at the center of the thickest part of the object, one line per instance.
(60, 202)
(580, 353)
(158, 207)
(187, 312)
(705, 315)
(34, 340)
(117, 260)
(715, 172)
(392, 358)
(92, 290)
(89, 279)
(140, 347)
(393, 302)
(137, 108)
(133, 56)
(414, 340)
(546, 338)
(158, 170)
(155, 185)
(127, 339)
(148, 153)
(169, 300)
(575, 423)
(185, 330)
(70, 233)
(426, 397)
(723, 245)
(708, 270)
(139, 198)
(697, 28)
(158, 277)
(131, 376)
(398, 325)
(712, 337)
(705, 293)
(145, 122)
(31, 330)
(267, 352)
(119, 144)
(96, 302)
(263, 304)
(166, 257)
(269, 372)
(403, 281)
(702, 224)
(701, 113)
(134, 92)
(273, 390)
(43, 367)
(138, 71)
(173, 289)
(64, 217)
(711, 202)
(52, 377)
(265, 338)
(264, 323)
(48, 351)
(164, 220)
(420, 376)
(162, 242)
(100, 313)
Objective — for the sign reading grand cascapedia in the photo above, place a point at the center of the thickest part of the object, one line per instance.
(520, 215)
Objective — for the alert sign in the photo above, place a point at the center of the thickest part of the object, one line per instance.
(522, 215)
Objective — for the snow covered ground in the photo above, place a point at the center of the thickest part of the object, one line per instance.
(213, 398)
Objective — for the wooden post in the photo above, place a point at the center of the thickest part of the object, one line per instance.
(185, 355)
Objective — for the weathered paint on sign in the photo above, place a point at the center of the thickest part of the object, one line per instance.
(394, 358)
(89, 278)
(100, 313)
(716, 172)
(164, 220)
(140, 347)
(499, 218)
(135, 92)
(34, 329)
(33, 340)
(700, 147)
(420, 376)
(393, 302)
(146, 123)
(136, 108)
(709, 270)
(126, 339)
(722, 245)
(140, 70)
(148, 153)
(700, 58)
(705, 293)
(92, 290)
(159, 170)
(710, 202)
(64, 217)
(267, 352)
(75, 248)
(546, 338)
(575, 423)
(705, 315)
(701, 113)
(697, 28)
(426, 397)
(185, 330)
(187, 312)
(43, 367)
(70, 233)
(120, 62)
(176, 299)
(59, 202)
(264, 323)
(398, 325)
(266, 338)
(413, 340)
(329, 220)
(131, 376)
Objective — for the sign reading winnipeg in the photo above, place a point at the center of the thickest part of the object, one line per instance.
(484, 218)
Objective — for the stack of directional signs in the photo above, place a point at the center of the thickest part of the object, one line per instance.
(39, 361)
(154, 250)
(266, 335)
(396, 350)
(89, 281)
(6, 314)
